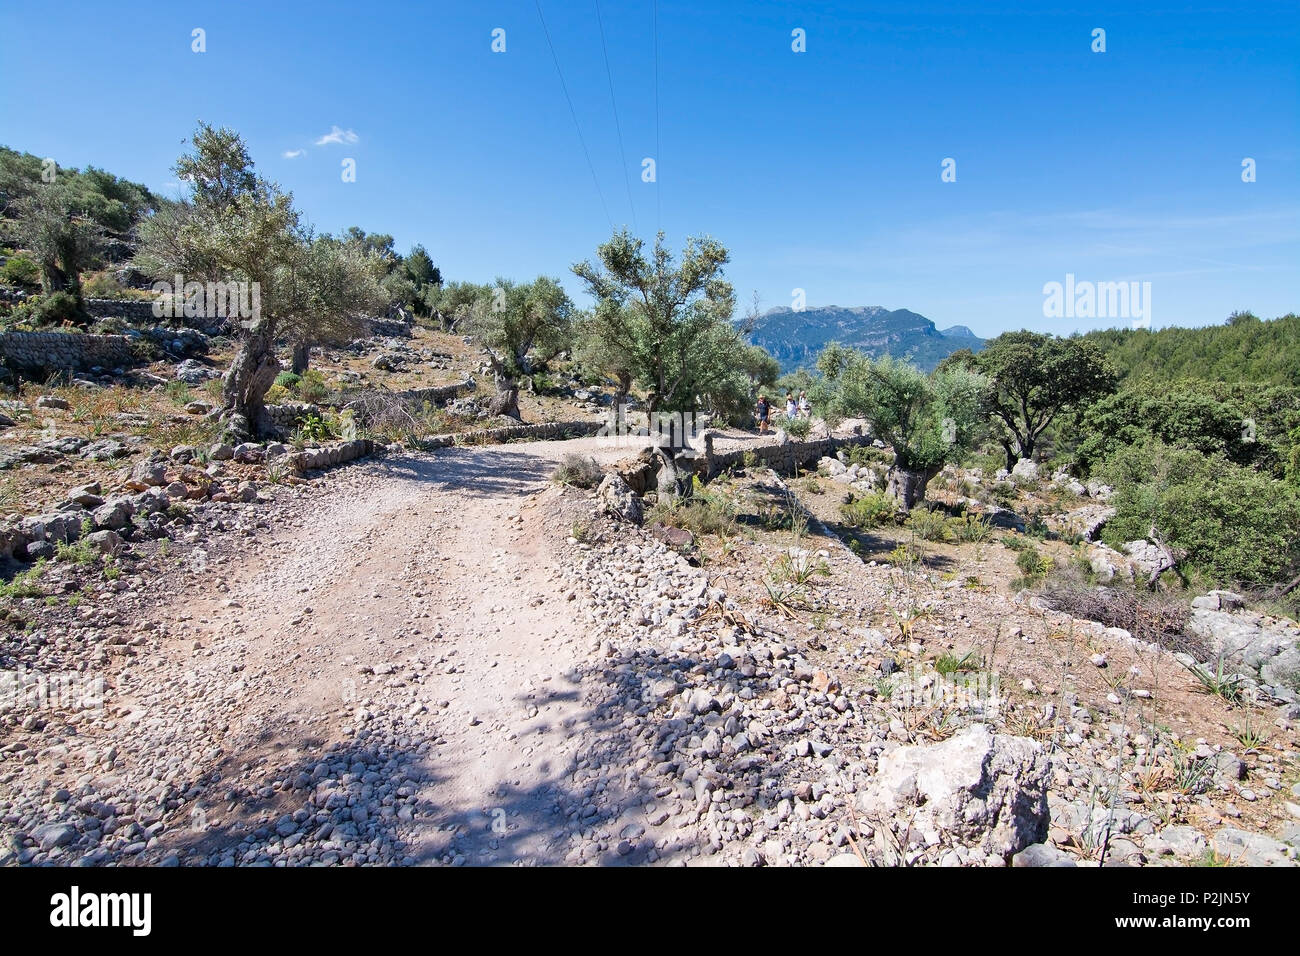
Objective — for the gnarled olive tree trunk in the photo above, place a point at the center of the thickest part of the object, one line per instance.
(674, 478)
(908, 485)
(506, 400)
(251, 373)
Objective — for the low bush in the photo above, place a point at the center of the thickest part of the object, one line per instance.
(20, 270)
(704, 512)
(929, 525)
(57, 308)
(314, 428)
(798, 427)
(579, 471)
(870, 511)
(312, 387)
(1033, 564)
(104, 285)
(971, 529)
(868, 455)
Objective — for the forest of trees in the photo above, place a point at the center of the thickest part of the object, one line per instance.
(1244, 349)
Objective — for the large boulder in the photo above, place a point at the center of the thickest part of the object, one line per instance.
(975, 789)
(114, 516)
(1086, 522)
(1107, 563)
(1265, 648)
(107, 542)
(147, 474)
(195, 373)
(853, 426)
(1025, 471)
(1042, 854)
(619, 498)
(1253, 849)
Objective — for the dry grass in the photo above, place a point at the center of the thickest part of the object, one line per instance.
(1157, 618)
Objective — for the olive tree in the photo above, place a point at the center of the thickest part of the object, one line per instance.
(928, 420)
(51, 223)
(522, 327)
(235, 226)
(670, 323)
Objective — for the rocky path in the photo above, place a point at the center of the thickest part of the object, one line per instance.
(443, 659)
(389, 677)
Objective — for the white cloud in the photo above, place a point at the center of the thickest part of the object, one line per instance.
(336, 135)
(293, 153)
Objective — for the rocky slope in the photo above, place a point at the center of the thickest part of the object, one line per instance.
(796, 338)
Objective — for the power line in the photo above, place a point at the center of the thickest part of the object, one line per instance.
(574, 114)
(627, 180)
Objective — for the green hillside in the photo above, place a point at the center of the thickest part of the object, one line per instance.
(1244, 349)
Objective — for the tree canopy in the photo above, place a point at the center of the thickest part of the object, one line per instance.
(1034, 378)
(235, 226)
(670, 322)
(929, 420)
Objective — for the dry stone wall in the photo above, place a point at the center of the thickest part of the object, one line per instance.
(37, 351)
(331, 455)
(548, 431)
(784, 459)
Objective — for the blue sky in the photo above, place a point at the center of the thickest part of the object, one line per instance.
(820, 170)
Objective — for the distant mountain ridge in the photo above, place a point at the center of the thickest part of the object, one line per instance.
(796, 338)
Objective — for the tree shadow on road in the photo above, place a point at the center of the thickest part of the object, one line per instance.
(481, 472)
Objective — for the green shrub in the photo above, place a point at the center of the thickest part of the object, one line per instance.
(868, 455)
(288, 380)
(104, 285)
(1033, 564)
(312, 387)
(315, 428)
(20, 270)
(56, 308)
(870, 511)
(971, 529)
(798, 427)
(929, 525)
(704, 512)
(1236, 525)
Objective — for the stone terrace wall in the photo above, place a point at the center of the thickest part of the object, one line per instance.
(435, 395)
(331, 455)
(640, 472)
(783, 459)
(391, 328)
(289, 415)
(548, 431)
(35, 351)
(133, 310)
(438, 393)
